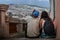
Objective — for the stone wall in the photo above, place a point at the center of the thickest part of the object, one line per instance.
(3, 25)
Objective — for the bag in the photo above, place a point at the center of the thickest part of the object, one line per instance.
(49, 27)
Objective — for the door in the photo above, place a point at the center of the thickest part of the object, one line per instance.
(12, 27)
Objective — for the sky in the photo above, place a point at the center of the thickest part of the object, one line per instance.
(41, 3)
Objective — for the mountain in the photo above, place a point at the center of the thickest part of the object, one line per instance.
(28, 5)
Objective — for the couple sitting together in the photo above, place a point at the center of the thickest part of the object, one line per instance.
(42, 27)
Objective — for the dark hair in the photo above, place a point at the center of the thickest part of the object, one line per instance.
(44, 15)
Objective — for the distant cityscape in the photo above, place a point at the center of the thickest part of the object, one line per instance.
(19, 11)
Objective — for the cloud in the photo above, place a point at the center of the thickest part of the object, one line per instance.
(8, 0)
(44, 0)
(39, 0)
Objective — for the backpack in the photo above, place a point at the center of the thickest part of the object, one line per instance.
(49, 27)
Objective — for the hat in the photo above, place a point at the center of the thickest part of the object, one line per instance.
(35, 13)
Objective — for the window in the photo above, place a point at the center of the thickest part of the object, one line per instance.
(24, 8)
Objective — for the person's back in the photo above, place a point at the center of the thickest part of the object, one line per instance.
(43, 35)
(47, 29)
(33, 25)
(46, 25)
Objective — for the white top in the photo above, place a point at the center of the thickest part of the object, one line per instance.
(33, 27)
(43, 25)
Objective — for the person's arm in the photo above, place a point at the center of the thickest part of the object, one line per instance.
(54, 24)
